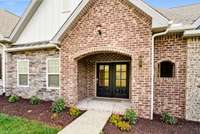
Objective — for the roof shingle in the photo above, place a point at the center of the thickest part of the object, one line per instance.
(184, 14)
(8, 21)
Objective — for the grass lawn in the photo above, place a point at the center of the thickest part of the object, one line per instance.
(16, 125)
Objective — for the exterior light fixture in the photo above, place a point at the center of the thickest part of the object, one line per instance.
(140, 61)
(99, 30)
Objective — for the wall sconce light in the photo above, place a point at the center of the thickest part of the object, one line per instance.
(140, 61)
(99, 30)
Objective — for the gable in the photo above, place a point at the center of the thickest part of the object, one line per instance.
(45, 21)
(158, 21)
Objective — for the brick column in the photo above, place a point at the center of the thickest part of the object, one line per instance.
(69, 81)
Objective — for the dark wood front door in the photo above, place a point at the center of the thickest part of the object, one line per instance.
(113, 80)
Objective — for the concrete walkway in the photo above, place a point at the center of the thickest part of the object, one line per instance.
(91, 122)
(116, 106)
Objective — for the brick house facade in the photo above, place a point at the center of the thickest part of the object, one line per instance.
(110, 50)
(169, 93)
(85, 41)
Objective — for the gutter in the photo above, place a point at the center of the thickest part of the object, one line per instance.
(191, 33)
(32, 48)
(152, 69)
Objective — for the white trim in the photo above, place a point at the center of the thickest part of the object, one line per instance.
(191, 33)
(31, 48)
(47, 74)
(27, 60)
(152, 68)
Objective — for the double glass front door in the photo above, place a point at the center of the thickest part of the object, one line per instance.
(112, 80)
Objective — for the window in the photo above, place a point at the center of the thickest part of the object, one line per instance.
(166, 69)
(53, 73)
(23, 72)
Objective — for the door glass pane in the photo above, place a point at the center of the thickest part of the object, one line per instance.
(106, 68)
(118, 67)
(104, 75)
(123, 67)
(123, 83)
(101, 67)
(106, 84)
(118, 83)
(121, 75)
(118, 75)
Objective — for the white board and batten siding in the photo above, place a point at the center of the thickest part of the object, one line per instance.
(47, 20)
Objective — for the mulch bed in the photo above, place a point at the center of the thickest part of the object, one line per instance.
(41, 112)
(156, 126)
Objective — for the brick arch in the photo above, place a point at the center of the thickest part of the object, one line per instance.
(95, 50)
(166, 59)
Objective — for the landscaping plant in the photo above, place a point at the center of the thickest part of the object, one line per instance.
(58, 106)
(130, 116)
(73, 111)
(114, 119)
(168, 119)
(54, 116)
(34, 100)
(124, 126)
(13, 99)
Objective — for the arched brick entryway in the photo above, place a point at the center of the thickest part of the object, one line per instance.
(124, 31)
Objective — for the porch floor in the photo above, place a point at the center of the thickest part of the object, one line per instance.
(107, 105)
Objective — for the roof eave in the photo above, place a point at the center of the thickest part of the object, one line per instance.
(192, 33)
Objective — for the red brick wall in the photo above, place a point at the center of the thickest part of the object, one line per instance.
(169, 93)
(125, 29)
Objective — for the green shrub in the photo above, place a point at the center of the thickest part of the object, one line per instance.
(130, 116)
(124, 126)
(58, 106)
(73, 111)
(114, 119)
(168, 119)
(34, 100)
(13, 99)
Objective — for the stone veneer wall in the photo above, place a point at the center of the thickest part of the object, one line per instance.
(37, 74)
(169, 93)
(125, 29)
(193, 80)
(86, 71)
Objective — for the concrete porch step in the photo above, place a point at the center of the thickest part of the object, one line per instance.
(91, 122)
(105, 105)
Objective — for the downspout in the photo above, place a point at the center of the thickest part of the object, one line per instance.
(3, 67)
(152, 68)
